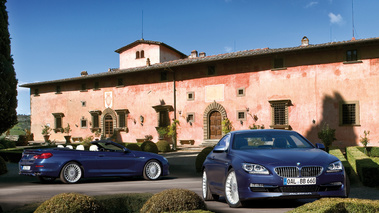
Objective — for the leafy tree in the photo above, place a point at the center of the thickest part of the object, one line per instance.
(8, 81)
(327, 136)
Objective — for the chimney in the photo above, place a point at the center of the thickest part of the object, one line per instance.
(193, 54)
(83, 73)
(202, 54)
(305, 41)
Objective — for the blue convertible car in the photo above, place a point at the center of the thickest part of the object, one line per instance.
(252, 164)
(104, 159)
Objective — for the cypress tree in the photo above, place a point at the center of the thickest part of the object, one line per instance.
(8, 81)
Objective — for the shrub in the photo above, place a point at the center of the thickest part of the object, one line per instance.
(201, 157)
(70, 202)
(22, 141)
(339, 205)
(367, 170)
(3, 166)
(133, 146)
(7, 143)
(127, 202)
(149, 146)
(163, 146)
(327, 136)
(174, 200)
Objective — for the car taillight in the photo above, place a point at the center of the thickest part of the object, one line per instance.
(43, 156)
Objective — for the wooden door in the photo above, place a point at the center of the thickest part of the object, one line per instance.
(215, 129)
(108, 125)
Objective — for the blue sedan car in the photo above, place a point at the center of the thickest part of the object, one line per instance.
(104, 159)
(255, 164)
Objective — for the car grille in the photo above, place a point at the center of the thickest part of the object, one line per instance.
(292, 171)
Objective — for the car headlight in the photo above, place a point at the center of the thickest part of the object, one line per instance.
(335, 167)
(255, 169)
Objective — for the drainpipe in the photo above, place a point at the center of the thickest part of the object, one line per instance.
(174, 94)
(174, 85)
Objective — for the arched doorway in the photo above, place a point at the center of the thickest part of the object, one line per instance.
(108, 126)
(215, 127)
(213, 116)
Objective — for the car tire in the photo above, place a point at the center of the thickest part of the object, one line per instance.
(44, 179)
(207, 194)
(71, 173)
(152, 170)
(231, 190)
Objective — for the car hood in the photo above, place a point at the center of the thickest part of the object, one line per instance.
(286, 157)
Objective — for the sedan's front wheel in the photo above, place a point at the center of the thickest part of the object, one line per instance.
(231, 190)
(71, 173)
(207, 194)
(152, 170)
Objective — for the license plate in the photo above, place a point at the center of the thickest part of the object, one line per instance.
(25, 167)
(299, 181)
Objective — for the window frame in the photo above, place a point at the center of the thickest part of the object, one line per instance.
(243, 92)
(286, 104)
(83, 119)
(122, 121)
(58, 122)
(356, 113)
(211, 70)
(95, 120)
(244, 115)
(191, 98)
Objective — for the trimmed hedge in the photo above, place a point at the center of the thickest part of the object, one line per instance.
(70, 202)
(149, 146)
(366, 168)
(133, 146)
(200, 158)
(339, 205)
(173, 200)
(163, 146)
(341, 157)
(126, 202)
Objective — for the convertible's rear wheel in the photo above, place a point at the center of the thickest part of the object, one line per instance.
(231, 190)
(71, 173)
(207, 194)
(44, 179)
(152, 170)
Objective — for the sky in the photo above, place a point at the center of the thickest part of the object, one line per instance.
(57, 39)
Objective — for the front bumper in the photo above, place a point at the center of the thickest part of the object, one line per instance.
(271, 186)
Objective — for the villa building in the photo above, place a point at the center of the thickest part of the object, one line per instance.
(297, 88)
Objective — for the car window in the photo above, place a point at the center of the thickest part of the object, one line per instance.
(269, 140)
(110, 146)
(224, 142)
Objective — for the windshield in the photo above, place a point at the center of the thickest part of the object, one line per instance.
(269, 140)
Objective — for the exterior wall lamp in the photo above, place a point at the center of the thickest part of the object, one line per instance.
(141, 118)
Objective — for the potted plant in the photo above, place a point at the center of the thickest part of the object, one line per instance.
(364, 140)
(162, 132)
(172, 132)
(46, 129)
(97, 134)
(327, 136)
(67, 130)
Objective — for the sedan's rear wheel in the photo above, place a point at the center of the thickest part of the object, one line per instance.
(152, 170)
(207, 194)
(71, 173)
(44, 179)
(231, 190)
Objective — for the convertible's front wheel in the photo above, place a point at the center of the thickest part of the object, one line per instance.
(231, 190)
(71, 173)
(152, 170)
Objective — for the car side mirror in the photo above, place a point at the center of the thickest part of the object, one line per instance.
(320, 146)
(219, 149)
(126, 150)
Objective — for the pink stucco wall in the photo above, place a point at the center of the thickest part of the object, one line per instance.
(314, 82)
